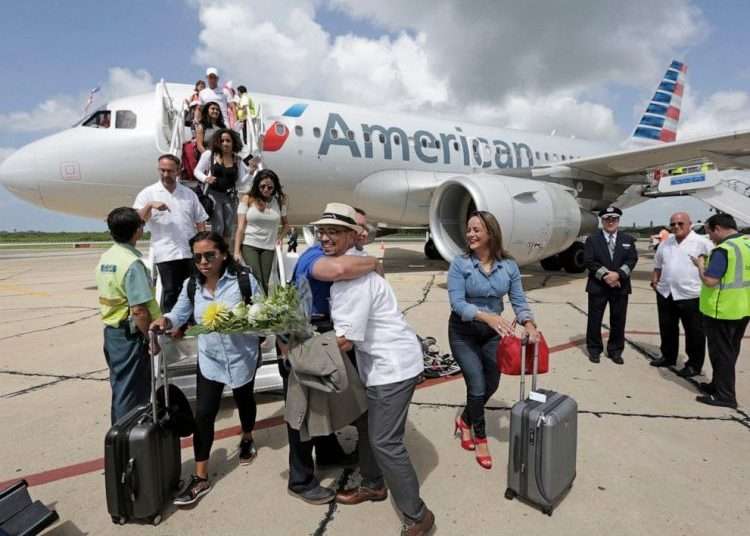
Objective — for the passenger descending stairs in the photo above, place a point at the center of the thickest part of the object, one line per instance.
(731, 196)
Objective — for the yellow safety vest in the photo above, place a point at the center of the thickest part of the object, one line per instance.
(730, 299)
(110, 278)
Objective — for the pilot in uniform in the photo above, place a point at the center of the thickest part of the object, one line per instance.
(610, 258)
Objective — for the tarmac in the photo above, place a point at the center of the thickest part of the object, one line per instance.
(651, 460)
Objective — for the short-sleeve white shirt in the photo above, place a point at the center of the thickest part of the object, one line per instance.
(215, 95)
(171, 230)
(365, 311)
(679, 276)
(262, 228)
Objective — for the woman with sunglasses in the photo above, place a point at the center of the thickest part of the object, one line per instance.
(223, 172)
(258, 217)
(223, 360)
(478, 281)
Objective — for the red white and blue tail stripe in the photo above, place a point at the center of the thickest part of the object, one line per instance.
(659, 122)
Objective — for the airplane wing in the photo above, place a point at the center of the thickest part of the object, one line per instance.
(726, 151)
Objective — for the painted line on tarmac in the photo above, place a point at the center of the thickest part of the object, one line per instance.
(69, 471)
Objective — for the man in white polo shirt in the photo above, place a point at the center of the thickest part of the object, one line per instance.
(174, 215)
(678, 285)
(365, 315)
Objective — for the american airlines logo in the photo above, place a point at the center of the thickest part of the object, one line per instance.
(392, 142)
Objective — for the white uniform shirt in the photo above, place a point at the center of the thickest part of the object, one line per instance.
(262, 228)
(215, 95)
(679, 276)
(171, 230)
(365, 311)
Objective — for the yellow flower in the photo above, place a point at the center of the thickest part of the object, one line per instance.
(214, 315)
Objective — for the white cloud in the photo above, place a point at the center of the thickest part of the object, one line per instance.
(5, 152)
(723, 111)
(62, 111)
(537, 65)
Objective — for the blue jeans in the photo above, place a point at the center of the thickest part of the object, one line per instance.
(474, 347)
(129, 369)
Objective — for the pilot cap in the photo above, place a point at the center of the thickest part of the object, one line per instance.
(610, 212)
(212, 71)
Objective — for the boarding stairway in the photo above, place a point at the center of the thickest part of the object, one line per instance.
(173, 132)
(731, 196)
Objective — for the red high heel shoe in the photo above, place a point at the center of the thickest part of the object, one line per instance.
(461, 426)
(484, 461)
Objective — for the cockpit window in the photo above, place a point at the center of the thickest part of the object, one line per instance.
(125, 119)
(99, 119)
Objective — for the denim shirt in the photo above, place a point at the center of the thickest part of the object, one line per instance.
(227, 359)
(470, 289)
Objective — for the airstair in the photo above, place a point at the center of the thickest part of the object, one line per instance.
(730, 195)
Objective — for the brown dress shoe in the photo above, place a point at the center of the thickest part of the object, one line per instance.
(421, 527)
(361, 494)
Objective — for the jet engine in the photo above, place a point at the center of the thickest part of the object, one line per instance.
(537, 219)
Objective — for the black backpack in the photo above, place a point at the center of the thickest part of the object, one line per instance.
(242, 280)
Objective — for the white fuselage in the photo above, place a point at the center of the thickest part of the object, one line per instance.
(321, 151)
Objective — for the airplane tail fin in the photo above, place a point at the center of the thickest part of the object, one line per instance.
(659, 122)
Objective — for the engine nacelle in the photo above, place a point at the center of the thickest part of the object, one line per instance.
(538, 219)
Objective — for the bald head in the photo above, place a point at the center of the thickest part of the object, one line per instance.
(679, 224)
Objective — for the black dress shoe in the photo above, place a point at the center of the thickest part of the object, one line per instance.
(687, 372)
(594, 358)
(707, 387)
(617, 359)
(711, 400)
(661, 362)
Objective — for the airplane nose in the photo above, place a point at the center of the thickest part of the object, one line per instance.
(17, 174)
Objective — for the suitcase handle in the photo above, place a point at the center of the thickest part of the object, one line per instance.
(517, 453)
(535, 369)
(158, 365)
(129, 479)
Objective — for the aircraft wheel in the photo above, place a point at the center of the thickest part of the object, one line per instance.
(431, 252)
(572, 259)
(551, 264)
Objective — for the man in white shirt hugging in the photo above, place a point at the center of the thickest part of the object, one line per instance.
(365, 315)
(678, 285)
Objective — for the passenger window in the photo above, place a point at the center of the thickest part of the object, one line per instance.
(280, 129)
(367, 137)
(350, 134)
(455, 146)
(382, 138)
(397, 139)
(100, 119)
(546, 156)
(125, 119)
(554, 156)
(334, 134)
(563, 157)
(316, 132)
(437, 144)
(424, 143)
(298, 130)
(537, 156)
(475, 146)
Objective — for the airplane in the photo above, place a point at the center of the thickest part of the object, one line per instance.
(404, 170)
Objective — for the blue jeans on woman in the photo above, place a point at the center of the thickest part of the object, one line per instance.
(474, 347)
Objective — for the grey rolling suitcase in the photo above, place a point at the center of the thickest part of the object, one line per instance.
(542, 444)
(142, 457)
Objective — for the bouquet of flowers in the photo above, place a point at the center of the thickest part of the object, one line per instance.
(280, 312)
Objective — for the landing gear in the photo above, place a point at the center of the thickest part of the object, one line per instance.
(551, 264)
(572, 258)
(431, 252)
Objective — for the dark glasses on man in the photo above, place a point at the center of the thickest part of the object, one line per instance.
(677, 223)
(209, 256)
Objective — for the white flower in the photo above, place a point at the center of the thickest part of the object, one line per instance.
(254, 311)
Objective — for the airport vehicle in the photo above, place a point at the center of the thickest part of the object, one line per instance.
(402, 169)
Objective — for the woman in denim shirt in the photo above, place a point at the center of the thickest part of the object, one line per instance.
(477, 282)
(223, 360)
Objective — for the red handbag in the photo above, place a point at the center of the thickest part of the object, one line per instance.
(509, 356)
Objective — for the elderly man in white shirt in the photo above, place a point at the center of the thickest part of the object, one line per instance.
(365, 315)
(677, 284)
(174, 215)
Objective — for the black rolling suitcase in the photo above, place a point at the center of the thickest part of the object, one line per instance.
(543, 442)
(142, 457)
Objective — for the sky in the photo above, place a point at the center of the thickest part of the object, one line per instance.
(583, 68)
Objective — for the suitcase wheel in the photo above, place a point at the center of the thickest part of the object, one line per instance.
(156, 519)
(117, 520)
(510, 494)
(547, 511)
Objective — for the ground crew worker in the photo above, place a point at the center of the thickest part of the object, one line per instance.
(725, 304)
(127, 304)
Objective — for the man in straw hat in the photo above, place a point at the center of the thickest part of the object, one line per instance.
(366, 317)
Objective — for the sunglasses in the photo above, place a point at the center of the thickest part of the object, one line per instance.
(209, 256)
(610, 219)
(677, 224)
(266, 187)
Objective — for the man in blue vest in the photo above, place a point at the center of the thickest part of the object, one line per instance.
(126, 300)
(725, 304)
